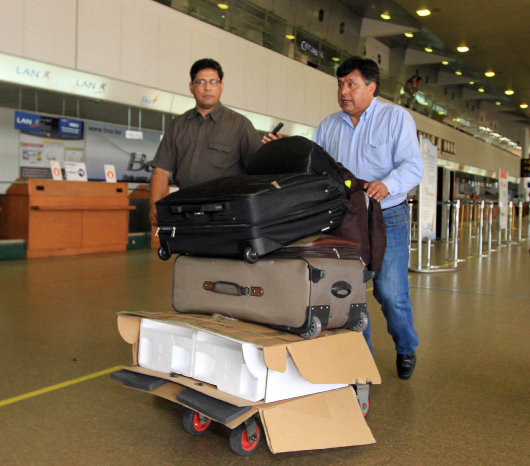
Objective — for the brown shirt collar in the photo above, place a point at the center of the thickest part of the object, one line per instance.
(215, 114)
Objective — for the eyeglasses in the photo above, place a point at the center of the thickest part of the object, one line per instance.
(203, 82)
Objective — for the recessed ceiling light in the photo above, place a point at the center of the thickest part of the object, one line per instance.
(428, 49)
(409, 35)
(489, 74)
(480, 89)
(335, 59)
(423, 12)
(458, 73)
(509, 92)
(471, 83)
(289, 36)
(223, 6)
(524, 106)
(445, 62)
(385, 16)
(498, 104)
(463, 49)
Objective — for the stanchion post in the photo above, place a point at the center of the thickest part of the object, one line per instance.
(510, 219)
(490, 224)
(499, 232)
(520, 222)
(480, 227)
(455, 238)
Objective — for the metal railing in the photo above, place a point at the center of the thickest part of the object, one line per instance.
(478, 218)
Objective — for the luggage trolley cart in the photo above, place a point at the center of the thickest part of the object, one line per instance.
(246, 429)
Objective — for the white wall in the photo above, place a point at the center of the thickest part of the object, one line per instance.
(144, 42)
(8, 148)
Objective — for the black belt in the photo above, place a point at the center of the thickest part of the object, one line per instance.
(397, 205)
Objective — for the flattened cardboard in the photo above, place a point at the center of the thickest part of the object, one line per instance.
(345, 358)
(324, 420)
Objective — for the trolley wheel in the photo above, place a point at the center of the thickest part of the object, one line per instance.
(163, 253)
(361, 324)
(314, 330)
(240, 443)
(193, 424)
(250, 255)
(364, 399)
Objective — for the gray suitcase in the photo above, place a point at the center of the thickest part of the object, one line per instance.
(302, 289)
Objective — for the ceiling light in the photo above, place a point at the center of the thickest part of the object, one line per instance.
(428, 49)
(480, 89)
(409, 35)
(509, 92)
(489, 74)
(498, 104)
(458, 73)
(523, 106)
(471, 83)
(423, 12)
(335, 59)
(223, 6)
(445, 62)
(289, 36)
(385, 16)
(463, 49)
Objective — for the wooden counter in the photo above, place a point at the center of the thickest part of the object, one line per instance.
(59, 218)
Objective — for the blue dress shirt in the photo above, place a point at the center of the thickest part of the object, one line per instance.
(384, 146)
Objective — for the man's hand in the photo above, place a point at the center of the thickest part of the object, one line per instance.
(157, 190)
(376, 189)
(270, 137)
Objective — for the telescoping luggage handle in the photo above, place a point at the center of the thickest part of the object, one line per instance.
(232, 289)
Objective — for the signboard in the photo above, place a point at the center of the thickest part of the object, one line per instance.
(525, 168)
(427, 190)
(55, 167)
(110, 173)
(107, 144)
(503, 199)
(75, 171)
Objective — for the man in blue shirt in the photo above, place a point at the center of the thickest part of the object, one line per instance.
(377, 142)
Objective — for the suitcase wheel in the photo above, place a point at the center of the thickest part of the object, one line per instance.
(163, 253)
(314, 331)
(195, 423)
(250, 255)
(241, 442)
(361, 324)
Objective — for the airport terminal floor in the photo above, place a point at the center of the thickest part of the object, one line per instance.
(468, 401)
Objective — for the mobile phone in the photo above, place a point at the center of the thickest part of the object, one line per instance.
(277, 128)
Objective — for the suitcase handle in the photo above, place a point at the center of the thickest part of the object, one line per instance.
(341, 289)
(195, 209)
(232, 289)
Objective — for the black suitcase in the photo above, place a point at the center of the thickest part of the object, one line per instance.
(293, 154)
(248, 216)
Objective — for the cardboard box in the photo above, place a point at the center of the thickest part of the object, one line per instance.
(331, 418)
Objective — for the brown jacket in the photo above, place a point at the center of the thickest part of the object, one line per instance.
(363, 223)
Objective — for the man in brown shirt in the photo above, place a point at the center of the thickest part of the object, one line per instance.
(206, 142)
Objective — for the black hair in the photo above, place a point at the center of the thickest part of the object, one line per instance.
(368, 69)
(203, 64)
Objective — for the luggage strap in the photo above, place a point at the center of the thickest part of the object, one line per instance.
(232, 289)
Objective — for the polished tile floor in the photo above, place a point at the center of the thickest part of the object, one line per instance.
(467, 403)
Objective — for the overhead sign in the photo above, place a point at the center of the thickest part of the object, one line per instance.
(28, 122)
(71, 128)
(50, 127)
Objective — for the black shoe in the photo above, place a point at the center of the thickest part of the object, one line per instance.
(405, 364)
